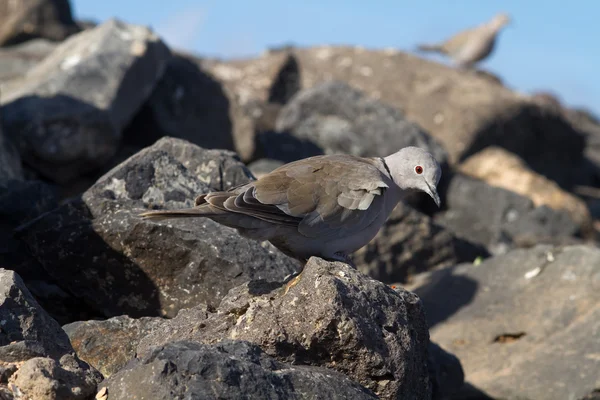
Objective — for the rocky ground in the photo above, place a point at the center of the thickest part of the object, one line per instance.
(494, 296)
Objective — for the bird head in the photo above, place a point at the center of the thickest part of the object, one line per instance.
(500, 20)
(413, 168)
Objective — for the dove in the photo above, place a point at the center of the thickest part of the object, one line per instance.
(327, 206)
(470, 46)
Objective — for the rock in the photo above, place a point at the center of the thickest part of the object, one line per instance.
(16, 60)
(500, 219)
(229, 370)
(522, 324)
(341, 119)
(21, 202)
(409, 243)
(44, 378)
(35, 349)
(67, 114)
(187, 103)
(26, 19)
(466, 112)
(10, 161)
(332, 316)
(109, 345)
(500, 168)
(117, 263)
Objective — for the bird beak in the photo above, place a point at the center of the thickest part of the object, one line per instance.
(434, 195)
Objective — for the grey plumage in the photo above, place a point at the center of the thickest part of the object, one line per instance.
(470, 46)
(326, 206)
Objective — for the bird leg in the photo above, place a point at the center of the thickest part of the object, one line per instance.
(292, 282)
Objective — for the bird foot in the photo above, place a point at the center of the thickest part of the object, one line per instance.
(292, 282)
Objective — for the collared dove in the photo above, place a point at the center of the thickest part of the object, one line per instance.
(326, 206)
(470, 46)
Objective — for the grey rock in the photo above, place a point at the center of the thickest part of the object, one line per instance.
(16, 60)
(68, 113)
(47, 379)
(36, 350)
(522, 324)
(99, 249)
(25, 321)
(26, 19)
(332, 316)
(186, 103)
(228, 370)
(410, 243)
(110, 344)
(341, 119)
(500, 219)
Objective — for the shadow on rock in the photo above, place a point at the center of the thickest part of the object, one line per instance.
(548, 143)
(285, 147)
(66, 243)
(463, 291)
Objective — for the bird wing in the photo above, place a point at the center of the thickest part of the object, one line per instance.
(322, 196)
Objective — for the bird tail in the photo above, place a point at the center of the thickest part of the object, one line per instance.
(159, 215)
(431, 48)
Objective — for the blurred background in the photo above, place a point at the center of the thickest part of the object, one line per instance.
(546, 48)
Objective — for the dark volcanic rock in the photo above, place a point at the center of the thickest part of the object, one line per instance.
(228, 370)
(341, 119)
(26, 19)
(409, 243)
(10, 161)
(103, 253)
(524, 325)
(36, 350)
(108, 345)
(68, 113)
(331, 316)
(187, 103)
(20, 202)
(500, 219)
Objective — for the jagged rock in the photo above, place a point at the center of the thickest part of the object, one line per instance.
(187, 103)
(332, 316)
(228, 370)
(466, 112)
(500, 168)
(523, 324)
(341, 119)
(99, 249)
(36, 350)
(109, 345)
(26, 19)
(409, 243)
(500, 219)
(16, 60)
(67, 114)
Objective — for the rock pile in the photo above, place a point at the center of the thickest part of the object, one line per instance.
(101, 122)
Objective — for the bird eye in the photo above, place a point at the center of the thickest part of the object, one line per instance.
(419, 169)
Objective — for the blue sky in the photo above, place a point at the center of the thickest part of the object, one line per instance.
(551, 46)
